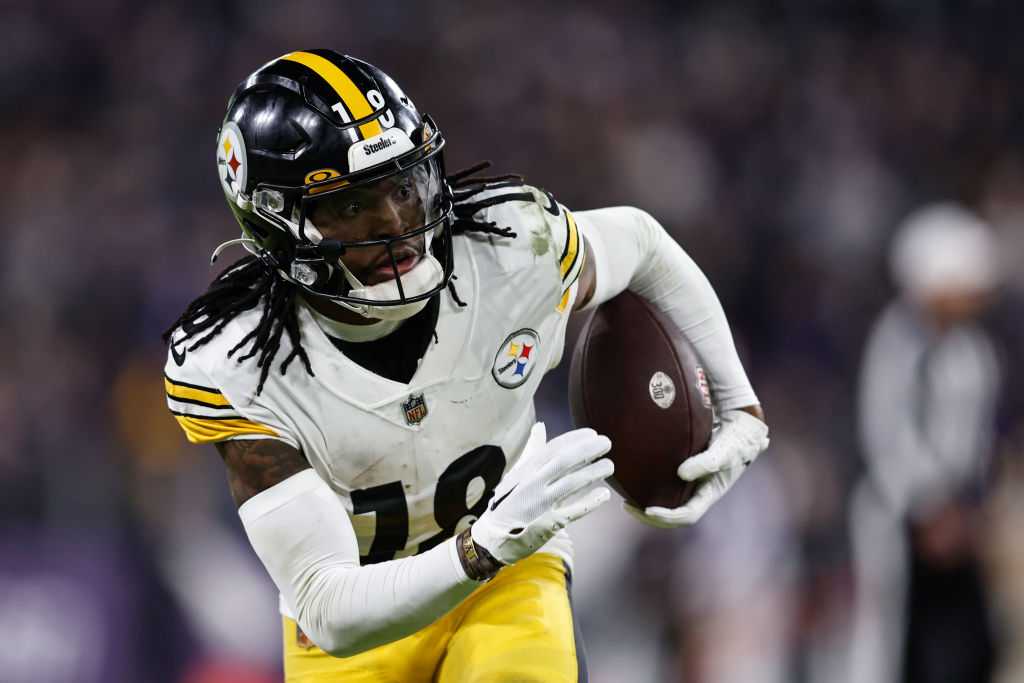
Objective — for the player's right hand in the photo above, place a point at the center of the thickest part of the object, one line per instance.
(553, 483)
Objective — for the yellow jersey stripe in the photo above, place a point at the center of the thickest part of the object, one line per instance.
(354, 99)
(209, 397)
(572, 246)
(572, 281)
(211, 430)
(564, 302)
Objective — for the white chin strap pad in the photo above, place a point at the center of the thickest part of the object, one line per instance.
(426, 275)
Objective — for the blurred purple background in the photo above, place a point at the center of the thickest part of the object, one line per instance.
(781, 143)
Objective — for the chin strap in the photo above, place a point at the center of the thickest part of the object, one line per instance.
(421, 279)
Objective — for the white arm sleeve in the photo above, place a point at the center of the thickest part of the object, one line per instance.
(301, 531)
(631, 250)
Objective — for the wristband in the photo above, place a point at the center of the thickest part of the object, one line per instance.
(479, 564)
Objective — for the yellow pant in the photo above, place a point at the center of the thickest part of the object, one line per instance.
(517, 628)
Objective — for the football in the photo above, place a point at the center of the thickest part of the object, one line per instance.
(635, 378)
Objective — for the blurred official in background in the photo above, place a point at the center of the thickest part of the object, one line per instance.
(928, 390)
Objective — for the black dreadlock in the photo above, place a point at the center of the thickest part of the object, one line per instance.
(249, 281)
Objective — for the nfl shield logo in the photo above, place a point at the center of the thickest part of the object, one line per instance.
(415, 409)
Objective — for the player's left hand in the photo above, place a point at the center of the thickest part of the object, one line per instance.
(736, 444)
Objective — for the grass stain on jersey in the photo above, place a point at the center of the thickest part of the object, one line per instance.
(539, 242)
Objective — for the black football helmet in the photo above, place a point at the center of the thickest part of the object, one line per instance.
(310, 127)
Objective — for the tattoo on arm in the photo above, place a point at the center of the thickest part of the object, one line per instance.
(255, 465)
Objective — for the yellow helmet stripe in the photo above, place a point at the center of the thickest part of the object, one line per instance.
(354, 99)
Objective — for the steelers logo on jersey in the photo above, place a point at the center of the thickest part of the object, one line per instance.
(231, 166)
(515, 358)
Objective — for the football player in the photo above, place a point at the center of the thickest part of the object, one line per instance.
(367, 374)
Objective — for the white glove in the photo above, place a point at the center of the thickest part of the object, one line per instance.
(736, 444)
(552, 484)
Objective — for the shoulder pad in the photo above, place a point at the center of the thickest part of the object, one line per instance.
(208, 393)
(543, 230)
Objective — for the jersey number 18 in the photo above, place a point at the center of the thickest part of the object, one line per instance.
(450, 507)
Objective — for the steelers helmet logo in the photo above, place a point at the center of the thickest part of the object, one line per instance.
(320, 175)
(515, 358)
(231, 164)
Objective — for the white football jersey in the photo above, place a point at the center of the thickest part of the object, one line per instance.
(413, 463)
